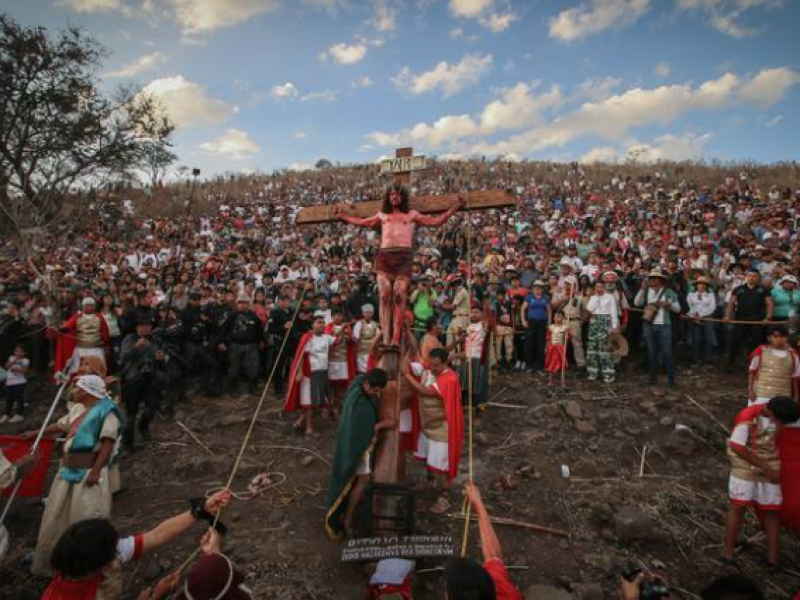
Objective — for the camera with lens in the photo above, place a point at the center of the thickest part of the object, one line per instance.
(651, 589)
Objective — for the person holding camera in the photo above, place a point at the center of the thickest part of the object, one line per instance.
(142, 367)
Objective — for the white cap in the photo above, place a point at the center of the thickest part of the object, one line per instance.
(88, 301)
(320, 314)
(368, 308)
(92, 385)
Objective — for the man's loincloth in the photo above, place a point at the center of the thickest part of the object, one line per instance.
(395, 262)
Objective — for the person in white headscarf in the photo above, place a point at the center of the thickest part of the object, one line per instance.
(364, 333)
(82, 487)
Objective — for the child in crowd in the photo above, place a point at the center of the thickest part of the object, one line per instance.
(17, 367)
(556, 354)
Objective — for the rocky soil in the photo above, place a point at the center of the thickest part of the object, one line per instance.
(664, 509)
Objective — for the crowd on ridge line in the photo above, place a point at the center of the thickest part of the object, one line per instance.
(216, 296)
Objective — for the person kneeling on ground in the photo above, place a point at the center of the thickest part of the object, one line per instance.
(466, 579)
(755, 470)
(88, 556)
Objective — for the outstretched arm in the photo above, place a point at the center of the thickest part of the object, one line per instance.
(168, 530)
(438, 220)
(489, 541)
(372, 221)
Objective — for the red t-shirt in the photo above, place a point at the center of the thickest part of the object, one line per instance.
(503, 588)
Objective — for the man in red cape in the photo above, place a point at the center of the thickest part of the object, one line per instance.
(774, 371)
(756, 471)
(85, 333)
(442, 422)
(309, 386)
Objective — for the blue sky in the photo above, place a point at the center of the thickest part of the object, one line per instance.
(265, 84)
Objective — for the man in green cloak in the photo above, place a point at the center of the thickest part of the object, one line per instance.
(359, 426)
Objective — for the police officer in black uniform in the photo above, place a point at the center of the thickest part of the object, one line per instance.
(143, 311)
(197, 351)
(168, 336)
(242, 336)
(218, 315)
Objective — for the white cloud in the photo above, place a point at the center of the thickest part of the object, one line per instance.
(298, 166)
(300, 135)
(498, 22)
(724, 15)
(233, 144)
(728, 25)
(385, 18)
(596, 16)
(518, 108)
(670, 147)
(603, 154)
(345, 54)
(284, 92)
(775, 121)
(614, 118)
(140, 65)
(187, 102)
(326, 96)
(363, 82)
(456, 33)
(769, 86)
(470, 8)
(482, 11)
(515, 109)
(596, 90)
(202, 16)
(450, 79)
(97, 6)
(662, 70)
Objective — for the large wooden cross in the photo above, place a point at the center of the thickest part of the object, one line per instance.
(401, 167)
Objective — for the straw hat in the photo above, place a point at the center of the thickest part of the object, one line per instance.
(618, 344)
(657, 273)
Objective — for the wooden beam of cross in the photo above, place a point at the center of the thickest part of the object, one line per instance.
(401, 167)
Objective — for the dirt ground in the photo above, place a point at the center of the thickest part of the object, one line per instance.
(672, 517)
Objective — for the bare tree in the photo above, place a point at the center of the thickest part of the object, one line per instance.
(59, 134)
(156, 159)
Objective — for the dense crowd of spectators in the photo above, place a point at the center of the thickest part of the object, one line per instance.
(725, 251)
(610, 262)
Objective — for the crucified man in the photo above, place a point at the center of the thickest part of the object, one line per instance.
(396, 256)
